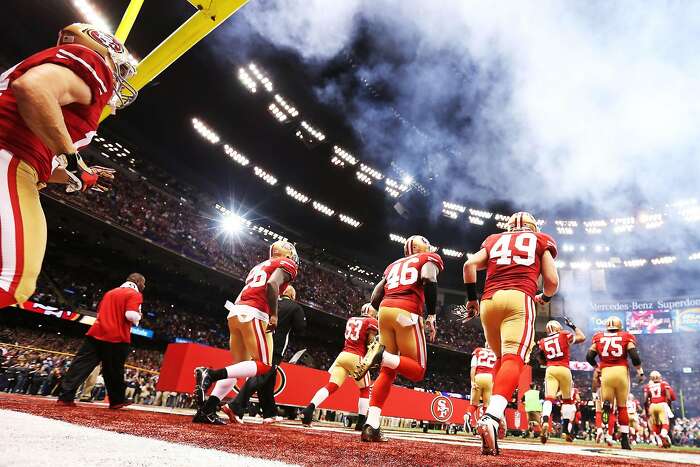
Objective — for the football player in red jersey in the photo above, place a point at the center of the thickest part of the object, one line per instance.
(50, 104)
(483, 364)
(408, 287)
(513, 261)
(613, 347)
(251, 321)
(360, 331)
(658, 393)
(555, 351)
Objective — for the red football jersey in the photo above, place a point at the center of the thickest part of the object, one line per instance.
(514, 261)
(254, 292)
(111, 324)
(403, 288)
(81, 120)
(485, 360)
(656, 392)
(557, 348)
(612, 347)
(356, 331)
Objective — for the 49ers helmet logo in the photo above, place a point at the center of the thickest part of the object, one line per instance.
(280, 383)
(441, 408)
(106, 40)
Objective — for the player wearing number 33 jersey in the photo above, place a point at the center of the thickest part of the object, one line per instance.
(409, 285)
(513, 261)
(613, 347)
(250, 322)
(360, 331)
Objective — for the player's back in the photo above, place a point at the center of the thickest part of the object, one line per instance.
(612, 347)
(357, 331)
(404, 287)
(514, 260)
(484, 360)
(254, 292)
(557, 348)
(656, 391)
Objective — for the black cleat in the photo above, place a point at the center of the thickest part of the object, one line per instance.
(361, 420)
(372, 435)
(307, 415)
(207, 418)
(625, 441)
(202, 382)
(372, 359)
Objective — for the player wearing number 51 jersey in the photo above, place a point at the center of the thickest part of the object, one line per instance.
(251, 320)
(409, 285)
(513, 260)
(555, 351)
(613, 347)
(360, 331)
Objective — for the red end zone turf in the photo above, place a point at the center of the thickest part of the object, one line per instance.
(306, 447)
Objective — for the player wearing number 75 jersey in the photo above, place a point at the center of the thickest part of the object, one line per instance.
(409, 285)
(360, 331)
(513, 261)
(251, 320)
(613, 347)
(555, 352)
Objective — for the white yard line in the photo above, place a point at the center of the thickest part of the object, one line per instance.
(33, 441)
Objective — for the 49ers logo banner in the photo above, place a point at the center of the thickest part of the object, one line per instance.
(441, 408)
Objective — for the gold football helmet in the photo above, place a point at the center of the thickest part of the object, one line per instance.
(521, 221)
(417, 244)
(655, 376)
(553, 326)
(114, 53)
(290, 292)
(368, 310)
(613, 323)
(282, 249)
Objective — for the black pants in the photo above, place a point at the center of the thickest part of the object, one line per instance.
(93, 352)
(264, 385)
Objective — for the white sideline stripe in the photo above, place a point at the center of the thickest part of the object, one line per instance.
(39, 441)
(85, 64)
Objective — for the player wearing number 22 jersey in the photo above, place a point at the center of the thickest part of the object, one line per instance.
(514, 261)
(360, 331)
(250, 322)
(408, 287)
(613, 347)
(483, 365)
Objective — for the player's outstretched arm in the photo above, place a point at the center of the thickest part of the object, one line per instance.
(579, 336)
(277, 278)
(378, 294)
(40, 94)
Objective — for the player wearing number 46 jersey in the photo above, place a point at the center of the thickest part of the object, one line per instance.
(554, 351)
(613, 347)
(251, 320)
(360, 331)
(513, 261)
(409, 285)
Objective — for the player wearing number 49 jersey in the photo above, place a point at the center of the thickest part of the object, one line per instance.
(409, 285)
(251, 320)
(555, 351)
(360, 331)
(513, 260)
(613, 347)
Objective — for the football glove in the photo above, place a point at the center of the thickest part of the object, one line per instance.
(83, 178)
(569, 323)
(468, 311)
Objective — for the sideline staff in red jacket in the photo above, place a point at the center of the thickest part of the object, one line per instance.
(107, 342)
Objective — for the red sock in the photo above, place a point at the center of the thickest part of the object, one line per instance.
(262, 368)
(6, 299)
(506, 379)
(611, 424)
(411, 369)
(622, 416)
(364, 393)
(599, 419)
(382, 387)
(664, 427)
(331, 388)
